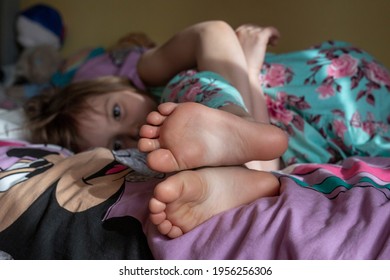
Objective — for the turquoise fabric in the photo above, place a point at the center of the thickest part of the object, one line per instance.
(205, 87)
(333, 100)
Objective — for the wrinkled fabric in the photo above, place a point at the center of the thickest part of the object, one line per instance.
(324, 212)
(333, 100)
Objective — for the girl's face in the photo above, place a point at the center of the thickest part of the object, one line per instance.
(115, 120)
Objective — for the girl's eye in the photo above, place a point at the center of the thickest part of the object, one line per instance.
(116, 112)
(117, 145)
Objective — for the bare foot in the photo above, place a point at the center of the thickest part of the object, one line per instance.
(190, 135)
(189, 198)
(254, 41)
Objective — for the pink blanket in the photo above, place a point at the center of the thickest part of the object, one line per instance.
(323, 212)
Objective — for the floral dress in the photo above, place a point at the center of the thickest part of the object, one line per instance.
(333, 100)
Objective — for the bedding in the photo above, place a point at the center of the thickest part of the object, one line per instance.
(52, 203)
(93, 205)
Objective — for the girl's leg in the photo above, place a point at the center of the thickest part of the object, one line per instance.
(238, 56)
(207, 46)
(221, 52)
(254, 41)
(240, 63)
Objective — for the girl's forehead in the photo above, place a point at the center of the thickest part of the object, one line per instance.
(96, 105)
(105, 97)
(97, 99)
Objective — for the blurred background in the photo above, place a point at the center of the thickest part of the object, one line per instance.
(302, 23)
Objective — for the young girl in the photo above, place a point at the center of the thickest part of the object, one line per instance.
(226, 79)
(108, 112)
(332, 101)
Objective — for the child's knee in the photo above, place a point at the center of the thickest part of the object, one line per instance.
(215, 27)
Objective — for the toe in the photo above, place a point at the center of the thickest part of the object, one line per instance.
(158, 218)
(167, 108)
(156, 206)
(148, 145)
(167, 192)
(175, 232)
(149, 131)
(165, 227)
(162, 160)
(155, 118)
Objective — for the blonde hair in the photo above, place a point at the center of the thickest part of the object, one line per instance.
(52, 117)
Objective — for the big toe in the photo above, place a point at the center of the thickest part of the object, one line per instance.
(162, 160)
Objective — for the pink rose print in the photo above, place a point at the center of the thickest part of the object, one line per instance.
(190, 73)
(191, 93)
(356, 120)
(177, 87)
(370, 126)
(377, 74)
(175, 90)
(325, 91)
(277, 111)
(343, 66)
(340, 128)
(277, 75)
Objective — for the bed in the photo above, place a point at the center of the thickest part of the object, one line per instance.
(94, 205)
(59, 205)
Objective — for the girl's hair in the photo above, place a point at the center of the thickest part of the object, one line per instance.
(52, 116)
